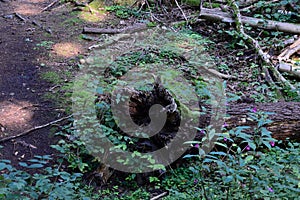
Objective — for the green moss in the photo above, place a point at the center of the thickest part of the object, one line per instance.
(191, 2)
(72, 21)
(213, 5)
(52, 77)
(96, 4)
(125, 2)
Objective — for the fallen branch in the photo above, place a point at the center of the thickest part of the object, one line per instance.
(183, 14)
(265, 57)
(50, 5)
(48, 30)
(220, 75)
(35, 128)
(218, 15)
(288, 52)
(159, 196)
(129, 29)
(285, 116)
(21, 17)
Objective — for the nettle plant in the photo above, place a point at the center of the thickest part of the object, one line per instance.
(246, 166)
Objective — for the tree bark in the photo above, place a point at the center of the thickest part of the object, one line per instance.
(218, 15)
(286, 118)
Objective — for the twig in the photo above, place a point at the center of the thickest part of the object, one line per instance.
(220, 75)
(159, 196)
(48, 30)
(200, 7)
(21, 17)
(35, 128)
(181, 10)
(50, 5)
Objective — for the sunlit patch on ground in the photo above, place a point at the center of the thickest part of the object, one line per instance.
(94, 11)
(28, 7)
(92, 17)
(14, 115)
(67, 49)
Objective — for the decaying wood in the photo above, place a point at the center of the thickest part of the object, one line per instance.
(289, 68)
(264, 56)
(285, 117)
(288, 52)
(218, 15)
(134, 28)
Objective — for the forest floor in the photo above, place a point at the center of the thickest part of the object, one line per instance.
(38, 51)
(41, 51)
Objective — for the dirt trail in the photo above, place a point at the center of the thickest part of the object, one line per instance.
(22, 105)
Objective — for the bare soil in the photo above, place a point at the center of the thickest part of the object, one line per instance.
(32, 42)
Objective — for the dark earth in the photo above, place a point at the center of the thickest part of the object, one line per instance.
(25, 56)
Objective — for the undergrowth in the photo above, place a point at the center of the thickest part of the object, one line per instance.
(241, 166)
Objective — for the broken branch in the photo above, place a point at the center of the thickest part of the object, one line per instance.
(264, 56)
(50, 5)
(34, 129)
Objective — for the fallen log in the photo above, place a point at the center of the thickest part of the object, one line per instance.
(289, 68)
(285, 117)
(218, 15)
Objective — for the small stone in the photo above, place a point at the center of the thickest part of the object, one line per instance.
(11, 94)
(82, 61)
(8, 16)
(28, 40)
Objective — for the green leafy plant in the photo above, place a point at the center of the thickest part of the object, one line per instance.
(50, 183)
(248, 166)
(46, 44)
(73, 150)
(122, 11)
